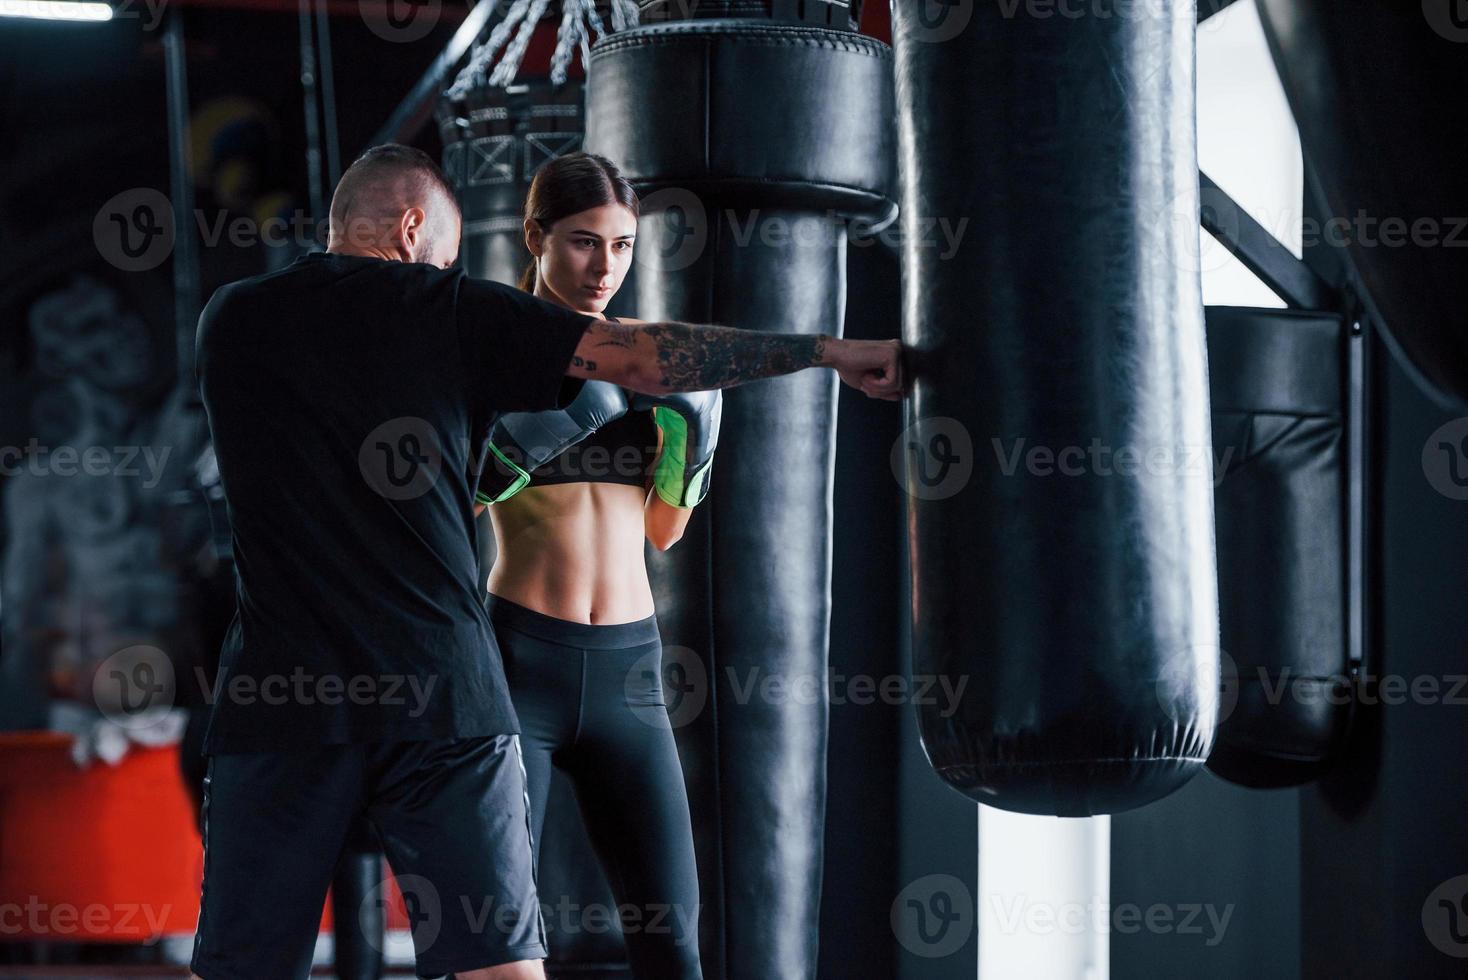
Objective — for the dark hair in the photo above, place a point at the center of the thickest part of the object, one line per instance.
(387, 160)
(570, 184)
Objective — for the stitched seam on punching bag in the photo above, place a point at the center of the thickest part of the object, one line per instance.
(994, 764)
(772, 181)
(647, 42)
(764, 36)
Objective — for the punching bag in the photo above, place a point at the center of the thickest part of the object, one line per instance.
(1060, 501)
(494, 140)
(752, 143)
(1280, 411)
(1377, 91)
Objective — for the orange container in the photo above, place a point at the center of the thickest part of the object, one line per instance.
(98, 854)
(102, 854)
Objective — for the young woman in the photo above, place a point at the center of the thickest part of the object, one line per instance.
(569, 594)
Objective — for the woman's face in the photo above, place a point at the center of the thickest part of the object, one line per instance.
(584, 256)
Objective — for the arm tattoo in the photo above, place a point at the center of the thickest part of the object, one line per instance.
(692, 357)
(606, 334)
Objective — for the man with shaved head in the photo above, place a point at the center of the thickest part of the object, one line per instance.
(388, 185)
(350, 398)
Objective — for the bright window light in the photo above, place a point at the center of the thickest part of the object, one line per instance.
(1248, 144)
(55, 10)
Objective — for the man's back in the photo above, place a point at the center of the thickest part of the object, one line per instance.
(347, 397)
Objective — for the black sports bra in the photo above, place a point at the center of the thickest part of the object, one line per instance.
(622, 451)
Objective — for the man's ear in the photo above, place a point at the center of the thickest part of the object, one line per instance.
(413, 229)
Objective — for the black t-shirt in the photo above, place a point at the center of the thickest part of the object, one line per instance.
(346, 397)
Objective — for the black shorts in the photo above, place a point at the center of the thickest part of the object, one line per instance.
(453, 819)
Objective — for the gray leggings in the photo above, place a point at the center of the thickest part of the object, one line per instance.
(590, 702)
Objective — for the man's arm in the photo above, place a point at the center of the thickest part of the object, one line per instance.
(658, 358)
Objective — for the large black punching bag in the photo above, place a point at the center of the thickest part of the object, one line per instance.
(752, 142)
(1377, 89)
(1061, 512)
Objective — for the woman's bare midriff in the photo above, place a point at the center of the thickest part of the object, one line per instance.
(573, 551)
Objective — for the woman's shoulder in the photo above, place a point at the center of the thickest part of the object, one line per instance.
(625, 319)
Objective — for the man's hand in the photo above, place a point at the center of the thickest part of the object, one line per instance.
(873, 367)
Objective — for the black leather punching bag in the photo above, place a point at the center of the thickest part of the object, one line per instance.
(1377, 90)
(752, 143)
(1279, 382)
(494, 142)
(1067, 577)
